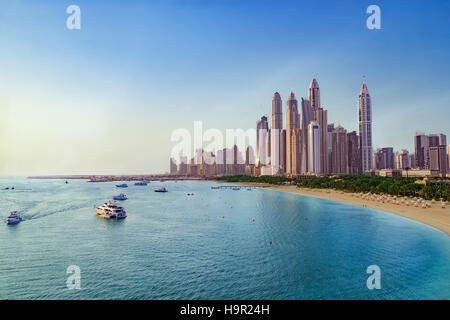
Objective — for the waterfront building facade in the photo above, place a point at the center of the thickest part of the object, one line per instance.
(438, 160)
(339, 151)
(402, 159)
(307, 117)
(322, 120)
(353, 153)
(262, 129)
(422, 151)
(314, 147)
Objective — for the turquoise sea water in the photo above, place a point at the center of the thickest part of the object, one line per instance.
(207, 246)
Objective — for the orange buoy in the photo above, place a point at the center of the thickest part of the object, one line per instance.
(270, 241)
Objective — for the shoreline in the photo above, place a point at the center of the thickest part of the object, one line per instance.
(435, 216)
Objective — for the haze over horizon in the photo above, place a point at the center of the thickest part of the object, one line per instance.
(105, 99)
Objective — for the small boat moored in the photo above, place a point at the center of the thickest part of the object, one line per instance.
(141, 183)
(123, 185)
(14, 218)
(110, 210)
(120, 197)
(163, 189)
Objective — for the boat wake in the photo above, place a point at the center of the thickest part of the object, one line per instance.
(34, 213)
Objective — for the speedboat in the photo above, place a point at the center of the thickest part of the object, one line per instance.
(14, 218)
(120, 197)
(110, 210)
(141, 183)
(163, 189)
(123, 185)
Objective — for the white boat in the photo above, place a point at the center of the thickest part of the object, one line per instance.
(120, 197)
(110, 210)
(14, 218)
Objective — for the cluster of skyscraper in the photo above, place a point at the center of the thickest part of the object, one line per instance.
(309, 145)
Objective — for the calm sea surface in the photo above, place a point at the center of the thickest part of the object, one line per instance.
(207, 246)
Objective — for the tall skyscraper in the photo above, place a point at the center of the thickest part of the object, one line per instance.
(276, 142)
(412, 161)
(183, 165)
(365, 127)
(277, 112)
(314, 147)
(262, 128)
(322, 119)
(173, 166)
(448, 155)
(307, 117)
(293, 135)
(330, 146)
(438, 160)
(283, 151)
(437, 139)
(314, 94)
(422, 150)
(353, 153)
(339, 151)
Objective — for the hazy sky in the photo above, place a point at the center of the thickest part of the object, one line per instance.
(106, 98)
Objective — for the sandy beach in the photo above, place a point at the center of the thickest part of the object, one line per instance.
(434, 216)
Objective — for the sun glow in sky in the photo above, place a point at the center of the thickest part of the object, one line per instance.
(104, 99)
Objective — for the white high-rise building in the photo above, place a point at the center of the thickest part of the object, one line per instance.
(262, 131)
(365, 127)
(314, 147)
(307, 117)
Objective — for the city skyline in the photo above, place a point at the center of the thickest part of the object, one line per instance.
(310, 145)
(130, 66)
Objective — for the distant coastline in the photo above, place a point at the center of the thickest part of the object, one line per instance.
(110, 178)
(435, 216)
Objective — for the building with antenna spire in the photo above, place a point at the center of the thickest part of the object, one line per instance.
(365, 127)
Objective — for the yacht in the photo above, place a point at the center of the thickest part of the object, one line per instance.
(163, 189)
(14, 218)
(141, 183)
(110, 210)
(123, 185)
(120, 197)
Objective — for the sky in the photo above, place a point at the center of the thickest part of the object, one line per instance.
(106, 98)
